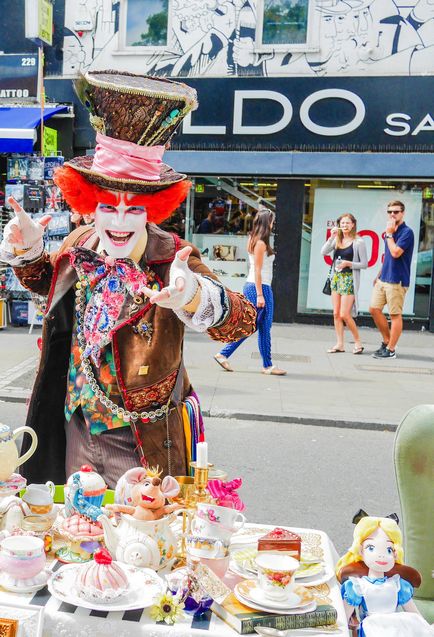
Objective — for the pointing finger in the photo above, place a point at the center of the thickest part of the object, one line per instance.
(45, 220)
(147, 291)
(184, 253)
(17, 208)
(161, 296)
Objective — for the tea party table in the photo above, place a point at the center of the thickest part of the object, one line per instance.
(61, 619)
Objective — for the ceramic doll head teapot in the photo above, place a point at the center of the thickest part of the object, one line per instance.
(9, 459)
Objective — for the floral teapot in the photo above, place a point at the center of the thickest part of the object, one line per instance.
(149, 544)
(143, 536)
(9, 459)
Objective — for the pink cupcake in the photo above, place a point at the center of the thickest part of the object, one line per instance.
(101, 580)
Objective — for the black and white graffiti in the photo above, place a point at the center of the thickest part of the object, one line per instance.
(219, 38)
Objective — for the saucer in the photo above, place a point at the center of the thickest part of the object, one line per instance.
(12, 485)
(29, 585)
(298, 598)
(268, 609)
(144, 585)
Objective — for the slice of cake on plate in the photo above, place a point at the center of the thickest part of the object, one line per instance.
(281, 540)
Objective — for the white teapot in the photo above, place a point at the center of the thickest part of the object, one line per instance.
(9, 459)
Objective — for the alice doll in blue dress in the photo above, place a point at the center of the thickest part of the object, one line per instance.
(379, 592)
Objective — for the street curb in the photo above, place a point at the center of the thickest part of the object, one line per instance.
(299, 420)
(11, 398)
(278, 418)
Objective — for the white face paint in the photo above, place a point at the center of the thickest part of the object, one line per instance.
(119, 227)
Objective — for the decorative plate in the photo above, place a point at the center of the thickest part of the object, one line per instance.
(293, 611)
(298, 598)
(144, 585)
(243, 563)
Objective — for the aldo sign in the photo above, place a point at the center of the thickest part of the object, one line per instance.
(310, 114)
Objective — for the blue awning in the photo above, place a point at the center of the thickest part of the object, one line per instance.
(18, 126)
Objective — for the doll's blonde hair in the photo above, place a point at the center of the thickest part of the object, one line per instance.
(363, 529)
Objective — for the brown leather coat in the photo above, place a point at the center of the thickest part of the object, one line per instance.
(52, 275)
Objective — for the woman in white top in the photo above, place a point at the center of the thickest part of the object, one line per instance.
(257, 289)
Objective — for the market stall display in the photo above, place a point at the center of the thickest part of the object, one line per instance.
(182, 585)
(30, 181)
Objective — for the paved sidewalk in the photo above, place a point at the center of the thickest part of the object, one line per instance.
(320, 388)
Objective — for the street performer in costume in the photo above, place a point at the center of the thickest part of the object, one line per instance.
(111, 389)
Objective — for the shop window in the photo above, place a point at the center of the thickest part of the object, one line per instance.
(285, 24)
(220, 214)
(326, 200)
(144, 24)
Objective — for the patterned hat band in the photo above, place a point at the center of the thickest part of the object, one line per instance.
(125, 160)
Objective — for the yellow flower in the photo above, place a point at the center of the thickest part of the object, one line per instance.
(167, 608)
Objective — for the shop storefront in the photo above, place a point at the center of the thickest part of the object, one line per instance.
(310, 149)
(34, 140)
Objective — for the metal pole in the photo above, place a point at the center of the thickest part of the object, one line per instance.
(189, 212)
(41, 92)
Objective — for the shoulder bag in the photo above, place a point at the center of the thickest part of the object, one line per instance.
(327, 289)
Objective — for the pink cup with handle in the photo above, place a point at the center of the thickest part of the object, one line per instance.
(22, 556)
(217, 521)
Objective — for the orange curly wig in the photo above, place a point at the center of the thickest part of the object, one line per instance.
(83, 197)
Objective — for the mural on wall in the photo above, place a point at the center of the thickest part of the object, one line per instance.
(90, 29)
(217, 38)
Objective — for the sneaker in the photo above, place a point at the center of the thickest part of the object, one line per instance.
(385, 353)
(380, 350)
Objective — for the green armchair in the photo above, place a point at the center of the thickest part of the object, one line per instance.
(414, 469)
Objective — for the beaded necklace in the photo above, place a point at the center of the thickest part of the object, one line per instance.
(124, 414)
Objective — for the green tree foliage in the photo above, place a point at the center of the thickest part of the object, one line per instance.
(285, 22)
(157, 28)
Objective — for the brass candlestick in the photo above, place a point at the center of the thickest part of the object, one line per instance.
(201, 482)
(193, 490)
(185, 498)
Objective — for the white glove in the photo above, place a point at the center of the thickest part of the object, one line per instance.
(182, 286)
(22, 233)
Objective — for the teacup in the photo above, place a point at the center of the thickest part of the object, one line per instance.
(22, 556)
(228, 519)
(276, 575)
(203, 528)
(207, 546)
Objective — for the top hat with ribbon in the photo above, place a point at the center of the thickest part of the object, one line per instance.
(134, 117)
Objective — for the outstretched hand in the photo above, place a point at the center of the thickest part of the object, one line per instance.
(182, 284)
(22, 232)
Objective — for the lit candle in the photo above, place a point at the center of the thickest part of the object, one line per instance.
(202, 453)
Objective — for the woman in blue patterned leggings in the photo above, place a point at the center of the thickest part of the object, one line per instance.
(258, 290)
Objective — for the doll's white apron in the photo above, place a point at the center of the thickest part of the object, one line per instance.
(383, 619)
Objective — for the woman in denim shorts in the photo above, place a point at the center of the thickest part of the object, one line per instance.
(349, 257)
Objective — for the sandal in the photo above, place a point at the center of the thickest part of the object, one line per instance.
(223, 362)
(274, 371)
(335, 350)
(358, 350)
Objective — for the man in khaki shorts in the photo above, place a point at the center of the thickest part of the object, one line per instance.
(393, 280)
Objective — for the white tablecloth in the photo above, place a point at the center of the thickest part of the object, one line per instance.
(65, 620)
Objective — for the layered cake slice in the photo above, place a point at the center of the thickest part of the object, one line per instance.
(281, 540)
